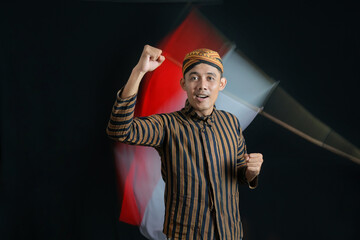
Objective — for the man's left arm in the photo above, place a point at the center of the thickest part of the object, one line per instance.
(249, 165)
(253, 163)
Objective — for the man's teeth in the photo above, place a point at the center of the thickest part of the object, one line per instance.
(202, 96)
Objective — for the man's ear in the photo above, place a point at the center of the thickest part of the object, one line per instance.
(223, 82)
(182, 83)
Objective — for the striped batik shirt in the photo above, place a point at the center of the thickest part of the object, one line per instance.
(202, 164)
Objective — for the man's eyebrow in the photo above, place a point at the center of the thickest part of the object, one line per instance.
(196, 73)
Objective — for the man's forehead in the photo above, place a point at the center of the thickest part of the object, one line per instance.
(200, 73)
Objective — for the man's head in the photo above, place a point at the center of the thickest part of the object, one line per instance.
(202, 79)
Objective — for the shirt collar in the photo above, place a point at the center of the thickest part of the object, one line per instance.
(189, 111)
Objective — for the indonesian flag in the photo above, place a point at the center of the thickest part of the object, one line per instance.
(140, 184)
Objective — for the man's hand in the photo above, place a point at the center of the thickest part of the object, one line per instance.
(253, 162)
(150, 59)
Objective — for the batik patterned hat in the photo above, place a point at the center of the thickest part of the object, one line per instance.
(202, 55)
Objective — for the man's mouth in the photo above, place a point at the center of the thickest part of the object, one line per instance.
(203, 96)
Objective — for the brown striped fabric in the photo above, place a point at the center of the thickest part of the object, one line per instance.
(202, 164)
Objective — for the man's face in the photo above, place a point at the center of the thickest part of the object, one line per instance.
(202, 85)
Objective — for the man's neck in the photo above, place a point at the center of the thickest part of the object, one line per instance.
(204, 113)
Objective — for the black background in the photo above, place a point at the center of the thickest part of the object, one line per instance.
(62, 63)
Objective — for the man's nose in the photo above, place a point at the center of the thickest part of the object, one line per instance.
(202, 84)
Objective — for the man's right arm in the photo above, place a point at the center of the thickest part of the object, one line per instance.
(150, 59)
(122, 125)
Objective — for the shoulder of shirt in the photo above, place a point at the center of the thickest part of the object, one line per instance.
(176, 116)
(230, 116)
(227, 113)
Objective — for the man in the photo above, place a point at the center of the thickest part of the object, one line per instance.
(202, 149)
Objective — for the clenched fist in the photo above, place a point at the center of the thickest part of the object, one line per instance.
(253, 162)
(150, 59)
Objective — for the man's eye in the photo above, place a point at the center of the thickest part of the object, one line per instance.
(193, 78)
(211, 78)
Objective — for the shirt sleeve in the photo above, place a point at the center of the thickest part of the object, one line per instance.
(124, 127)
(241, 164)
